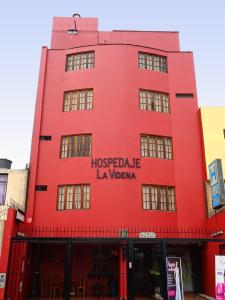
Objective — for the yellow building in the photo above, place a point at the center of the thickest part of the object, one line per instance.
(213, 129)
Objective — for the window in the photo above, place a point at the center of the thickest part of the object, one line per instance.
(224, 133)
(79, 61)
(154, 101)
(152, 62)
(76, 146)
(73, 197)
(184, 95)
(158, 197)
(78, 100)
(3, 185)
(156, 147)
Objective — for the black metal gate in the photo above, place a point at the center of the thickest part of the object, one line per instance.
(146, 270)
(64, 269)
(27, 279)
(95, 268)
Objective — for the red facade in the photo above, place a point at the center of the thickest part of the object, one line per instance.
(116, 124)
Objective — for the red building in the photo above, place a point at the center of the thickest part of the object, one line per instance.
(116, 171)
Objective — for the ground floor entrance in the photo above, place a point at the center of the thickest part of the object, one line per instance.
(148, 273)
(58, 268)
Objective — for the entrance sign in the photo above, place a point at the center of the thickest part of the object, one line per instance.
(174, 278)
(217, 183)
(220, 276)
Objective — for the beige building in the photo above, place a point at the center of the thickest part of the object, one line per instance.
(13, 189)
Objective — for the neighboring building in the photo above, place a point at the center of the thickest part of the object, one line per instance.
(13, 189)
(213, 128)
(213, 133)
(116, 172)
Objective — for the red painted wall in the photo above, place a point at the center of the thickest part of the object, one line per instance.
(116, 123)
(208, 268)
(215, 224)
(89, 35)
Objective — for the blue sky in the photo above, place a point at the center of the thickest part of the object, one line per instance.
(26, 25)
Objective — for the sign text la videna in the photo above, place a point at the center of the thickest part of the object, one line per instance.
(115, 167)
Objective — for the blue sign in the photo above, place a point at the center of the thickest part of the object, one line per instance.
(217, 183)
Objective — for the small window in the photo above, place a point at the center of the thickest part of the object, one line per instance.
(152, 62)
(76, 145)
(79, 61)
(224, 133)
(3, 186)
(78, 100)
(73, 197)
(45, 138)
(41, 188)
(184, 95)
(158, 197)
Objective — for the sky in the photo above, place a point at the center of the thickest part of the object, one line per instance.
(25, 26)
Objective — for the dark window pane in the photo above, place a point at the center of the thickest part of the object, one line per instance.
(3, 185)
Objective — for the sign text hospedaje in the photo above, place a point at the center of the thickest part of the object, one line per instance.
(115, 167)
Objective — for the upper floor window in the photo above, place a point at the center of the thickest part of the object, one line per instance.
(156, 147)
(154, 101)
(3, 185)
(73, 197)
(76, 145)
(78, 100)
(158, 197)
(152, 62)
(84, 60)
